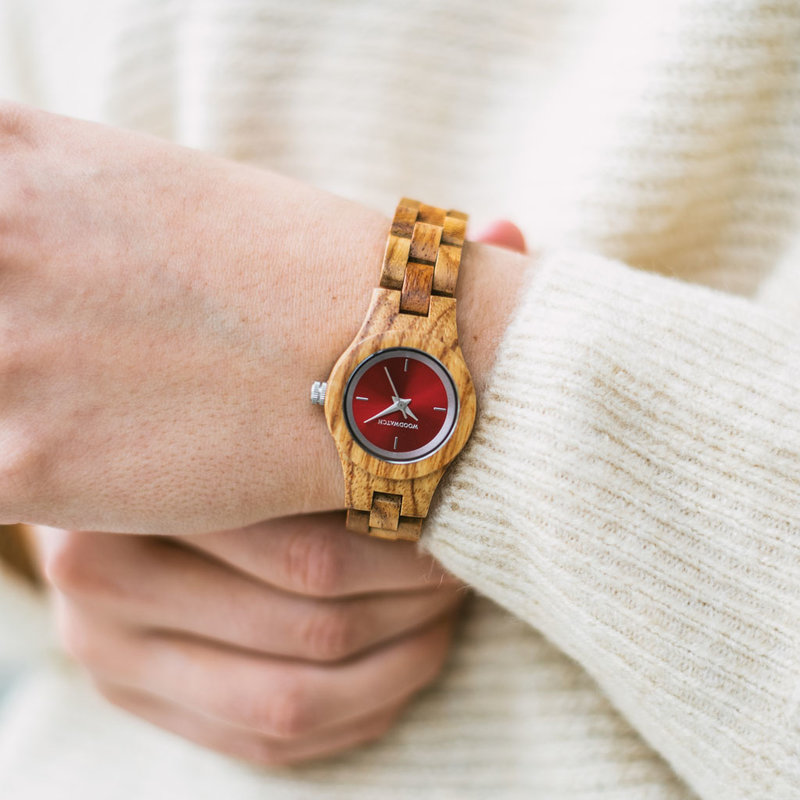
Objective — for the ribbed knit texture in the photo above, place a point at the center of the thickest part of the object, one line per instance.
(638, 503)
(628, 507)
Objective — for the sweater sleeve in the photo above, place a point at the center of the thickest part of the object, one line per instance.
(632, 490)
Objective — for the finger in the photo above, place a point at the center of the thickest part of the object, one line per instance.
(244, 744)
(148, 583)
(502, 233)
(316, 555)
(276, 697)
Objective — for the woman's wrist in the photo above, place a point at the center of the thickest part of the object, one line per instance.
(490, 280)
(164, 313)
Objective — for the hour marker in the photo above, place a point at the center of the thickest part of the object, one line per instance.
(405, 366)
(436, 408)
(362, 398)
(395, 442)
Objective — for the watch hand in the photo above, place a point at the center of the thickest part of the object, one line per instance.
(389, 410)
(395, 395)
(403, 406)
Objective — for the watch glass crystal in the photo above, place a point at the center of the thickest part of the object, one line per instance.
(401, 404)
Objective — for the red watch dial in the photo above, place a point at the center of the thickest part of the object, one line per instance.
(401, 404)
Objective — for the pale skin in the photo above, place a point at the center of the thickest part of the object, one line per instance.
(162, 313)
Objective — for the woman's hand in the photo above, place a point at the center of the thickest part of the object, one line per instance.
(282, 642)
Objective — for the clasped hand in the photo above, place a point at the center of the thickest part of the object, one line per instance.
(285, 641)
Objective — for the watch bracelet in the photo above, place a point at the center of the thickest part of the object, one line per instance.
(422, 258)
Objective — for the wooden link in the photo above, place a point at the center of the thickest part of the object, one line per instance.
(408, 528)
(423, 254)
(454, 229)
(445, 274)
(425, 242)
(394, 261)
(404, 217)
(385, 513)
(415, 296)
(357, 520)
(432, 214)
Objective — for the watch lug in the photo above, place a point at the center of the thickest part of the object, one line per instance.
(384, 315)
(416, 493)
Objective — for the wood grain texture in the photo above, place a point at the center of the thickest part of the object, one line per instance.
(415, 296)
(385, 511)
(445, 273)
(423, 234)
(395, 260)
(425, 241)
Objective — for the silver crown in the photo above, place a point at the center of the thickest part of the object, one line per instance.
(318, 389)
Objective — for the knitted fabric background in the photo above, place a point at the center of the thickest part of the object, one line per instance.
(628, 507)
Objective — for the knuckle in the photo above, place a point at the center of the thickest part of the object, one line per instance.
(113, 694)
(266, 754)
(286, 713)
(15, 119)
(379, 728)
(68, 564)
(330, 633)
(315, 563)
(77, 636)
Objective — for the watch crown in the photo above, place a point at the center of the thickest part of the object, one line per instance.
(318, 389)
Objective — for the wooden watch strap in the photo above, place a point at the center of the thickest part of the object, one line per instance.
(384, 519)
(422, 258)
(17, 552)
(423, 254)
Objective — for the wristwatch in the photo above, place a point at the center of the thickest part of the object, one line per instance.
(399, 402)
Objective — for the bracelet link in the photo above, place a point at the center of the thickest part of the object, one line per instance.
(423, 254)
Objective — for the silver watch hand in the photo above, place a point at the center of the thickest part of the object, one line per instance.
(395, 395)
(389, 410)
(403, 405)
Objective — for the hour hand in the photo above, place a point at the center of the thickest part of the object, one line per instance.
(393, 407)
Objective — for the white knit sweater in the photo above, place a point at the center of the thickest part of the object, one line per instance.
(629, 504)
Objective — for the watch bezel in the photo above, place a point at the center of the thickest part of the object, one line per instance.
(445, 432)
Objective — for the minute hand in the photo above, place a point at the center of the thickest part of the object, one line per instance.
(395, 395)
(393, 407)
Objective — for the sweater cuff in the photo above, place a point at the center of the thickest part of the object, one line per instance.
(631, 490)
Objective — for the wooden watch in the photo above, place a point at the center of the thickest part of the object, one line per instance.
(399, 402)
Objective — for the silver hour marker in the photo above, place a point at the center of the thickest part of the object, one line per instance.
(361, 398)
(405, 366)
(436, 408)
(395, 442)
